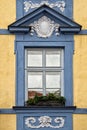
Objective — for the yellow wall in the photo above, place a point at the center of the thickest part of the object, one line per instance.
(80, 12)
(7, 12)
(80, 66)
(7, 71)
(80, 56)
(7, 122)
(80, 122)
(80, 71)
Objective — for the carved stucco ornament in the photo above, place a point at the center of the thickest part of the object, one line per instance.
(44, 27)
(30, 5)
(44, 121)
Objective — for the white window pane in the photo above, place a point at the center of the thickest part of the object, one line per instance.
(34, 80)
(56, 91)
(53, 80)
(34, 58)
(53, 58)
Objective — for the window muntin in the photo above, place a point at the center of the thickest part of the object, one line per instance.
(45, 72)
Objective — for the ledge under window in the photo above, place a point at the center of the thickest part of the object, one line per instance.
(44, 108)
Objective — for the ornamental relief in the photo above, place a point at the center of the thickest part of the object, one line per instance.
(30, 5)
(44, 121)
(44, 27)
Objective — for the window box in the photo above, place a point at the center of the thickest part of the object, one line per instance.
(49, 100)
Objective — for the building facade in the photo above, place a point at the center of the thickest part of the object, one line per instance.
(43, 50)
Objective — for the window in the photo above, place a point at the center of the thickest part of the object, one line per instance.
(44, 70)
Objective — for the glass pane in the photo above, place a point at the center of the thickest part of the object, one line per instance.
(56, 91)
(34, 58)
(33, 92)
(34, 80)
(53, 80)
(53, 58)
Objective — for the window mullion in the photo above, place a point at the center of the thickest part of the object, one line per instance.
(44, 73)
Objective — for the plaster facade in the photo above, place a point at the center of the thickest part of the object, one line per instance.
(8, 69)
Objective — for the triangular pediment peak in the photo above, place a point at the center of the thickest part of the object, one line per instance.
(66, 25)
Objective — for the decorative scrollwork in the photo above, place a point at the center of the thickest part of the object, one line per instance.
(30, 4)
(44, 121)
(44, 27)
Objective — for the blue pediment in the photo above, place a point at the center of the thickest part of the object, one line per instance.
(66, 25)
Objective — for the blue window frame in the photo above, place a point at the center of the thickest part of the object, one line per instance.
(68, 62)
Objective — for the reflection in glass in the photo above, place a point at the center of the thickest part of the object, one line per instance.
(34, 58)
(34, 80)
(33, 92)
(53, 80)
(53, 58)
(56, 91)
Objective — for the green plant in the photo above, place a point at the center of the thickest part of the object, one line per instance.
(31, 101)
(61, 100)
(51, 98)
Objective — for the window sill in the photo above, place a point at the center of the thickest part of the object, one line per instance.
(44, 107)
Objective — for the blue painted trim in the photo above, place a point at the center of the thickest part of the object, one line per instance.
(20, 74)
(80, 111)
(29, 111)
(19, 9)
(69, 30)
(20, 29)
(83, 32)
(7, 111)
(12, 111)
(68, 50)
(21, 119)
(45, 10)
(6, 32)
(69, 8)
(68, 73)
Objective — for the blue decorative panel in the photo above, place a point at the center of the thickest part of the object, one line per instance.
(45, 121)
(26, 6)
(29, 5)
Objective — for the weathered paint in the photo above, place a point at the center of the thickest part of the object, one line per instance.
(7, 12)
(80, 72)
(79, 122)
(7, 122)
(7, 72)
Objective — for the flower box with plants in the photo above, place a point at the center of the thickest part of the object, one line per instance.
(49, 100)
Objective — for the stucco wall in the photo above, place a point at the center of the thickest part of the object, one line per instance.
(80, 12)
(7, 71)
(80, 72)
(7, 65)
(7, 122)
(80, 66)
(7, 12)
(80, 122)
(80, 56)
